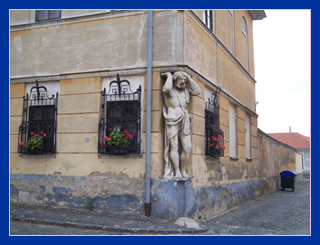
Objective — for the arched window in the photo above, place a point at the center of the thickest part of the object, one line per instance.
(245, 33)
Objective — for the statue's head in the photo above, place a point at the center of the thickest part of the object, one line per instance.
(180, 79)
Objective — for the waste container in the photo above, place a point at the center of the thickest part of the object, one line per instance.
(288, 180)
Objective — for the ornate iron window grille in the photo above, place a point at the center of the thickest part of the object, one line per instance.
(120, 112)
(39, 117)
(212, 125)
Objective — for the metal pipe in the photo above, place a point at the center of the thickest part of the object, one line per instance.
(149, 100)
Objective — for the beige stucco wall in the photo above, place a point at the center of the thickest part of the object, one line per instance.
(20, 17)
(77, 135)
(102, 44)
(275, 157)
(224, 28)
(235, 82)
(200, 50)
(241, 40)
(224, 32)
(70, 49)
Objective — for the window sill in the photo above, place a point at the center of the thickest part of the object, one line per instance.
(120, 156)
(23, 155)
(250, 159)
(234, 158)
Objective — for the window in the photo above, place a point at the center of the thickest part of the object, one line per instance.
(43, 15)
(37, 132)
(119, 126)
(208, 19)
(214, 135)
(233, 131)
(245, 33)
(248, 137)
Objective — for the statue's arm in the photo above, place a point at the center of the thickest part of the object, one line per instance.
(167, 87)
(194, 87)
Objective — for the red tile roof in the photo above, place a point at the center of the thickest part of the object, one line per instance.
(294, 140)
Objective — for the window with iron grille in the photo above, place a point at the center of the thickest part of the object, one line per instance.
(43, 15)
(119, 126)
(214, 135)
(37, 132)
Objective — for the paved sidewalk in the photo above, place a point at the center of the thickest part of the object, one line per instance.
(97, 220)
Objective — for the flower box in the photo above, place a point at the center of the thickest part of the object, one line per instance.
(35, 151)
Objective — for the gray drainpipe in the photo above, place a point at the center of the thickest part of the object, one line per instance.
(147, 204)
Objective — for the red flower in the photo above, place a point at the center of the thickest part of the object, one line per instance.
(44, 135)
(21, 143)
(131, 136)
(36, 135)
(223, 147)
(211, 145)
(109, 129)
(217, 147)
(41, 132)
(218, 140)
(34, 140)
(107, 138)
(125, 131)
(31, 133)
(219, 136)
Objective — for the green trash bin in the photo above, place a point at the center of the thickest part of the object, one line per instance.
(288, 180)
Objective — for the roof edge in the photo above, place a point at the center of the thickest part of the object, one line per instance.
(279, 142)
(258, 14)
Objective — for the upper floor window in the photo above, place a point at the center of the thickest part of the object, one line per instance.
(43, 15)
(208, 19)
(214, 135)
(37, 132)
(119, 126)
(245, 33)
(244, 26)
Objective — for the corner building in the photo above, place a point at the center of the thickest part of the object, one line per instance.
(79, 55)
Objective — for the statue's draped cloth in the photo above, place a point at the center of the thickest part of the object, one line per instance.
(174, 124)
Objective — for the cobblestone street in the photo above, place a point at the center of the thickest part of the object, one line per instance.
(279, 213)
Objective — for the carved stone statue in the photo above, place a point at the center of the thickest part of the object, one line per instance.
(176, 92)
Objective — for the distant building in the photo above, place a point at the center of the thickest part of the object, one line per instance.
(298, 141)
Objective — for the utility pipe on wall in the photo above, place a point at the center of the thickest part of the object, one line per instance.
(147, 204)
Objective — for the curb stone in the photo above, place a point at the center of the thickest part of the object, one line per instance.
(115, 228)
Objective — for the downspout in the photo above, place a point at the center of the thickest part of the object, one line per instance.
(147, 204)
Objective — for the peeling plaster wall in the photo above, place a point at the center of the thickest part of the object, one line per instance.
(274, 156)
(109, 191)
(120, 193)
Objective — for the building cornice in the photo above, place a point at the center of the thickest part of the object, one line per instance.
(258, 14)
